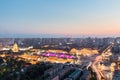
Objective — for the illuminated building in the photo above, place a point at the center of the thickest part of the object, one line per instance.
(15, 48)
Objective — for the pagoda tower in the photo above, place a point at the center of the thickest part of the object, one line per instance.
(15, 48)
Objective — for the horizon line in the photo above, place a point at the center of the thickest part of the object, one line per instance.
(43, 35)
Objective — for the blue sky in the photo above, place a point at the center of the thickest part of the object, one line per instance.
(72, 17)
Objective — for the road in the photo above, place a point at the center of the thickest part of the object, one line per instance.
(99, 59)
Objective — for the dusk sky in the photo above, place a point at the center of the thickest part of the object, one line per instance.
(66, 17)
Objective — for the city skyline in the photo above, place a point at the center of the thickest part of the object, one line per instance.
(64, 17)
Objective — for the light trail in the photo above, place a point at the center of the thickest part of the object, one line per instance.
(98, 59)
